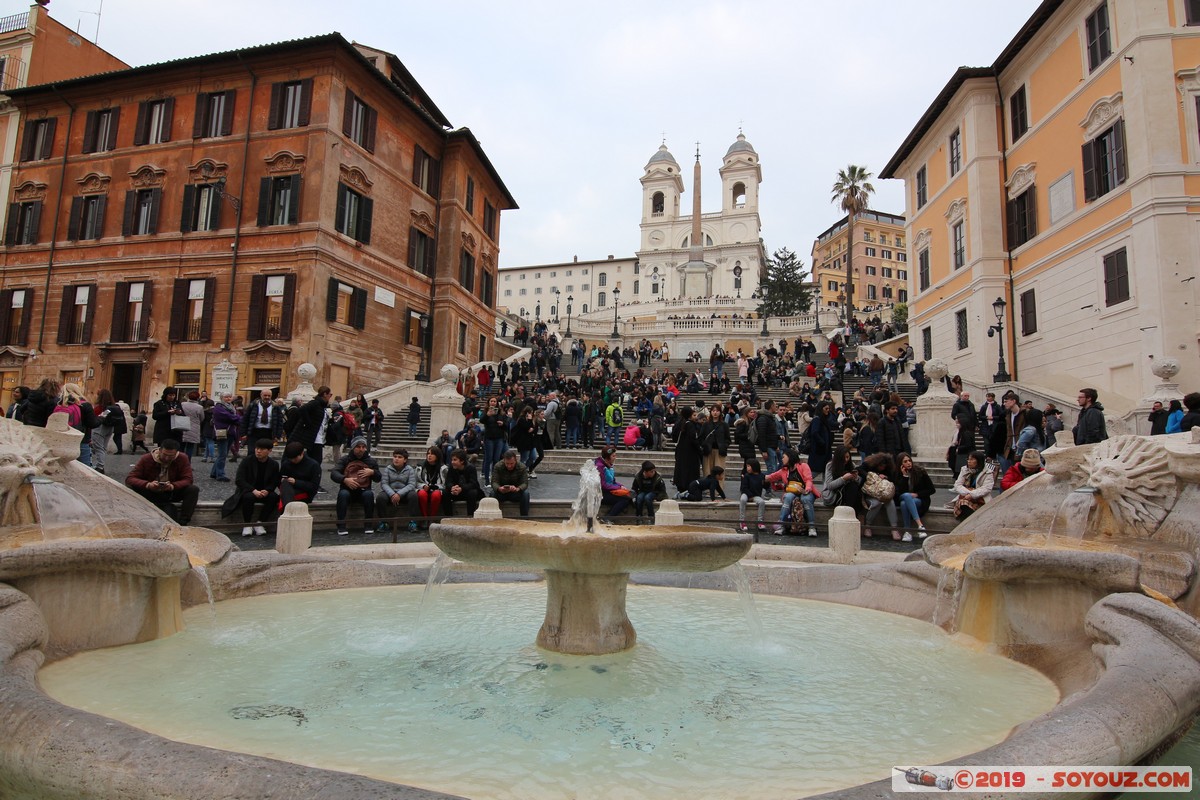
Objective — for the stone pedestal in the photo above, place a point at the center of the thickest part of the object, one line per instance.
(445, 409)
(1165, 370)
(294, 533)
(668, 513)
(489, 508)
(845, 534)
(585, 614)
(305, 391)
(934, 429)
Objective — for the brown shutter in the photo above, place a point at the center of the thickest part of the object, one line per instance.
(64, 314)
(1010, 215)
(412, 250)
(360, 309)
(13, 224)
(35, 221)
(189, 208)
(120, 312)
(366, 209)
(418, 158)
(89, 132)
(168, 118)
(75, 218)
(430, 256)
(147, 310)
(101, 205)
(51, 125)
(294, 206)
(258, 301)
(1119, 152)
(179, 301)
(306, 87)
(141, 130)
(201, 112)
(276, 110)
(27, 140)
(369, 133)
(91, 315)
(289, 307)
(348, 113)
(113, 124)
(227, 112)
(1089, 172)
(130, 207)
(206, 316)
(5, 312)
(155, 207)
(340, 210)
(435, 178)
(331, 300)
(264, 202)
(23, 334)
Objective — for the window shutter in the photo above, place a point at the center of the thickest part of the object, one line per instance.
(369, 133)
(189, 208)
(215, 207)
(1031, 226)
(101, 205)
(91, 317)
(360, 308)
(23, 334)
(147, 309)
(1089, 172)
(74, 219)
(412, 250)
(348, 113)
(227, 112)
(258, 301)
(331, 300)
(294, 206)
(89, 133)
(201, 112)
(206, 314)
(264, 202)
(430, 256)
(28, 140)
(114, 120)
(365, 210)
(1119, 151)
(35, 221)
(289, 307)
(141, 130)
(168, 118)
(5, 311)
(120, 312)
(418, 159)
(1010, 215)
(155, 207)
(339, 224)
(276, 110)
(52, 124)
(14, 219)
(179, 302)
(306, 87)
(64, 314)
(130, 206)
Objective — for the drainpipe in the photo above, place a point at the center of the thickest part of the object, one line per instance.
(237, 229)
(427, 338)
(62, 182)
(1012, 304)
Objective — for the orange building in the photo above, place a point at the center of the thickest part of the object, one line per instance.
(1064, 180)
(256, 209)
(879, 261)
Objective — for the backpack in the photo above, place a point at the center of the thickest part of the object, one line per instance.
(349, 423)
(618, 417)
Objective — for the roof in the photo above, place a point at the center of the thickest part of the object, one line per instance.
(963, 74)
(662, 154)
(866, 214)
(466, 135)
(740, 146)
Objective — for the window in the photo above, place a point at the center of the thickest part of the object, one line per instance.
(886, 254)
(601, 300)
(462, 338)
(131, 312)
(867, 236)
(872, 292)
(1191, 9)
(960, 325)
(1104, 162)
(871, 271)
(291, 104)
(603, 280)
(23, 222)
(901, 255)
(960, 245)
(214, 114)
(1116, 277)
(1018, 114)
(192, 309)
(487, 288)
(141, 212)
(737, 284)
(1028, 313)
(922, 188)
(154, 121)
(883, 238)
(421, 252)
(1022, 218)
(923, 270)
(955, 152)
(466, 271)
(279, 201)
(831, 285)
(39, 139)
(470, 202)
(537, 290)
(425, 172)
(902, 274)
(100, 130)
(346, 304)
(354, 213)
(887, 292)
(201, 207)
(358, 122)
(75, 315)
(524, 292)
(508, 292)
(412, 331)
(870, 251)
(886, 272)
(15, 308)
(654, 287)
(927, 343)
(489, 219)
(1099, 45)
(657, 204)
(902, 296)
(482, 347)
(272, 303)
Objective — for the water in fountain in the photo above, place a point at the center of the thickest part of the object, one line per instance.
(63, 512)
(737, 573)
(1072, 517)
(202, 575)
(586, 507)
(949, 588)
(439, 573)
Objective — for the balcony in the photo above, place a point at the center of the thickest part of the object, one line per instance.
(14, 23)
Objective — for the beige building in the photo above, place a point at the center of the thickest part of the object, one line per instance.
(1064, 179)
(879, 260)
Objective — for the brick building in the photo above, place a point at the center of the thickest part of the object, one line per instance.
(300, 201)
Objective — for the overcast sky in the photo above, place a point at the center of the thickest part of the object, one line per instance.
(570, 99)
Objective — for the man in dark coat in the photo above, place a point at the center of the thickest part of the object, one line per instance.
(354, 473)
(164, 477)
(256, 484)
(891, 431)
(299, 475)
(310, 424)
(263, 419)
(964, 413)
(1090, 428)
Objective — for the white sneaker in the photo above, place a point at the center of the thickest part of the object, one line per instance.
(247, 531)
(259, 530)
(343, 532)
(907, 537)
(812, 531)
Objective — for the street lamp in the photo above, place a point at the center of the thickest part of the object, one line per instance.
(557, 301)
(423, 372)
(762, 291)
(570, 299)
(737, 279)
(998, 330)
(616, 334)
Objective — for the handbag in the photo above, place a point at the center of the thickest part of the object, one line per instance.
(966, 502)
(181, 423)
(794, 487)
(878, 487)
(220, 434)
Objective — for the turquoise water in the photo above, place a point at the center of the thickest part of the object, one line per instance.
(832, 696)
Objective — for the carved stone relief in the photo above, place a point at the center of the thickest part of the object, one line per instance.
(93, 183)
(285, 161)
(1101, 114)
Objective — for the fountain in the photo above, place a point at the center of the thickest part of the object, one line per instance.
(1103, 606)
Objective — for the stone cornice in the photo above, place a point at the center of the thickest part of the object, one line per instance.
(1022, 178)
(93, 183)
(147, 177)
(285, 161)
(354, 177)
(30, 190)
(1102, 112)
(957, 210)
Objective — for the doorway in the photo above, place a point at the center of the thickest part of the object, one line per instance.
(8, 382)
(339, 380)
(127, 384)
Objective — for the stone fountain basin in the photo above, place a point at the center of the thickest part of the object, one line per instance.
(613, 550)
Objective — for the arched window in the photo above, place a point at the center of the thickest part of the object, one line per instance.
(737, 282)
(584, 309)
(523, 311)
(887, 293)
(657, 202)
(687, 241)
(603, 280)
(601, 300)
(739, 195)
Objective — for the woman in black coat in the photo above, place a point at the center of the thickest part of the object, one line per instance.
(687, 450)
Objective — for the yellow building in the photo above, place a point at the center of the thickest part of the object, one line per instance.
(880, 262)
(1064, 179)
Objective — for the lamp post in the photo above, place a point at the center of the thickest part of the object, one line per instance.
(570, 299)
(557, 302)
(998, 330)
(423, 372)
(737, 279)
(616, 334)
(762, 292)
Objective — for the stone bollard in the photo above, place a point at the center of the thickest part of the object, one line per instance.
(668, 513)
(294, 532)
(489, 508)
(844, 534)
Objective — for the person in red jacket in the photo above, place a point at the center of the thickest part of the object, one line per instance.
(1029, 465)
(164, 477)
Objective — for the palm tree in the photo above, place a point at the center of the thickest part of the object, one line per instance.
(852, 191)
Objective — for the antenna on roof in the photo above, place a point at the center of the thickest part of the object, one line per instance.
(96, 38)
